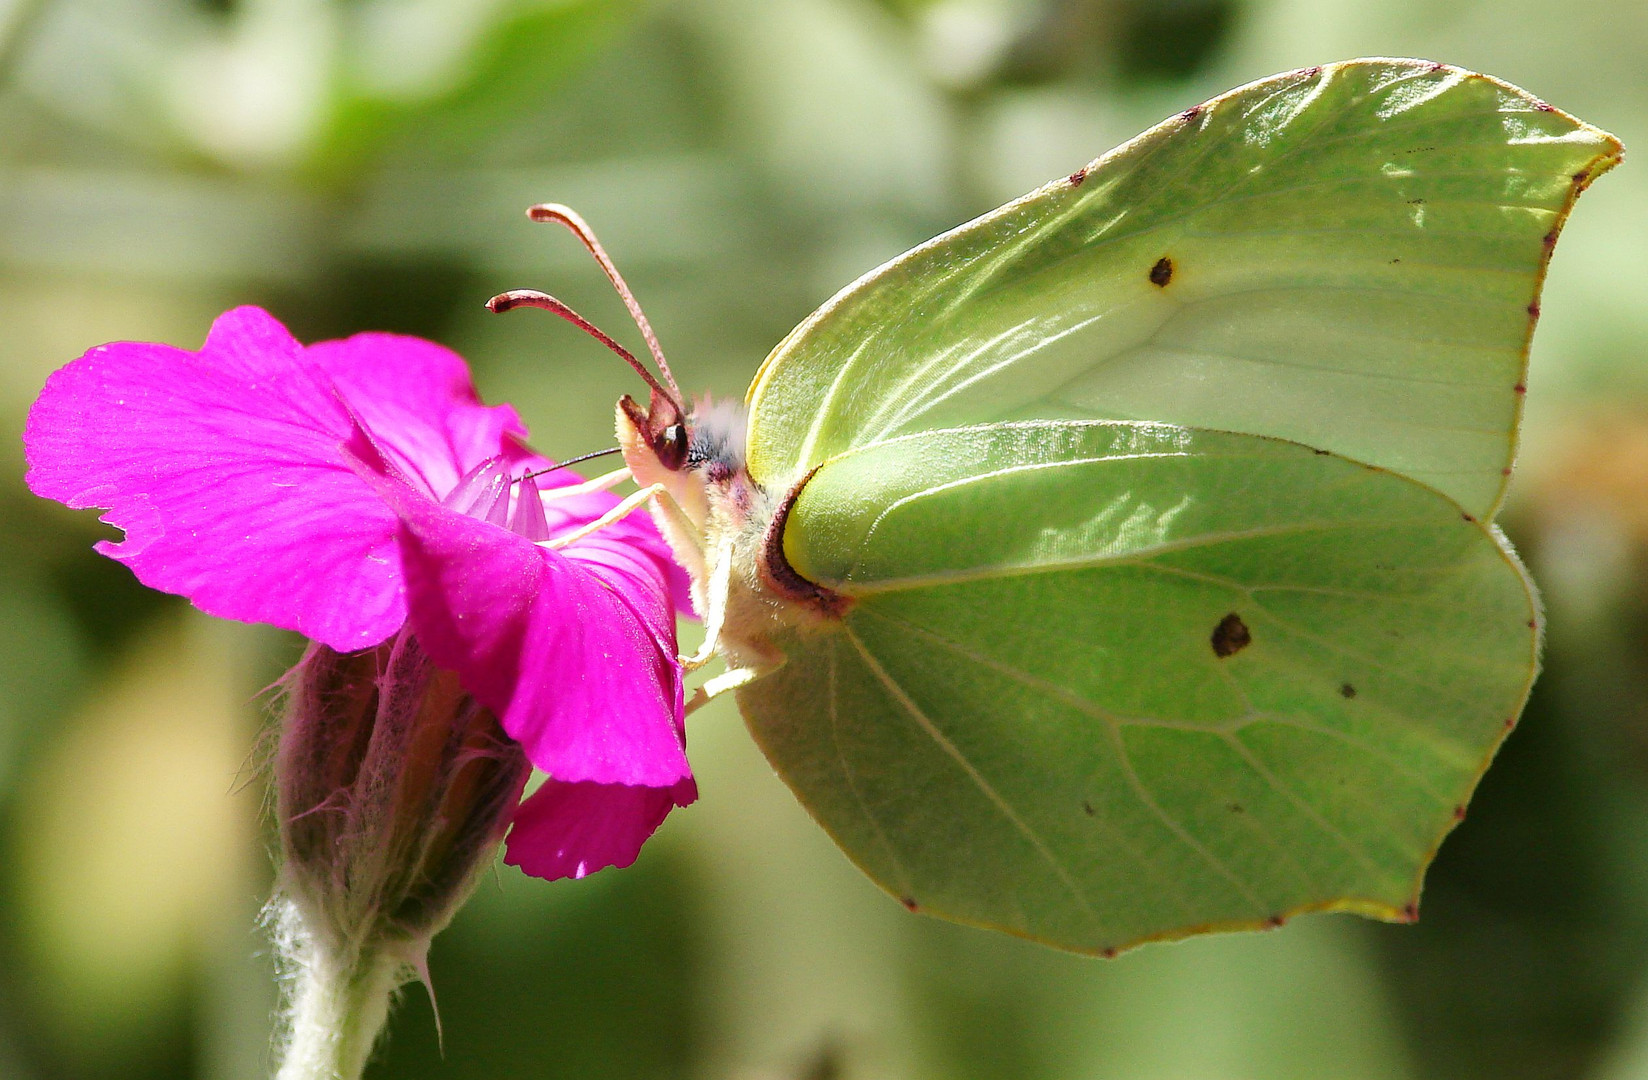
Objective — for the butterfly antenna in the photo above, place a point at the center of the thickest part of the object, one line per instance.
(567, 216)
(569, 463)
(531, 298)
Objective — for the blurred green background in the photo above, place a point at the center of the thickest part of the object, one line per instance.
(363, 164)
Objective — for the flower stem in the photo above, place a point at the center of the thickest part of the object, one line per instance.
(334, 1011)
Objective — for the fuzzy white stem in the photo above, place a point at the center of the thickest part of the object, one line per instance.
(334, 1010)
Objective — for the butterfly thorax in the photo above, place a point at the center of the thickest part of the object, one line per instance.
(725, 528)
(715, 438)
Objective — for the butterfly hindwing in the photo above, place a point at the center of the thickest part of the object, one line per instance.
(1104, 682)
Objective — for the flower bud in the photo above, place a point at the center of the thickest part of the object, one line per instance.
(393, 788)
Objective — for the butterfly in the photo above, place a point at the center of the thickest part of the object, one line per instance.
(1121, 564)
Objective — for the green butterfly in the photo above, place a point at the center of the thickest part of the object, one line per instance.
(1120, 565)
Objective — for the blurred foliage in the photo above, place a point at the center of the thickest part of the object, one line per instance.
(363, 164)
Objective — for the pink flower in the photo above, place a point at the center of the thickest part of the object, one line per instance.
(354, 487)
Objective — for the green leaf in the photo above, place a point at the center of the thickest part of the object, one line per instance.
(1104, 683)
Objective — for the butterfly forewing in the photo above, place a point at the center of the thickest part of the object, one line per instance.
(1348, 256)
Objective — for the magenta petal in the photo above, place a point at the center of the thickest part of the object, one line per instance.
(636, 533)
(417, 399)
(577, 659)
(224, 469)
(572, 830)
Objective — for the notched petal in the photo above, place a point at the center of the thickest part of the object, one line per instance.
(572, 830)
(225, 469)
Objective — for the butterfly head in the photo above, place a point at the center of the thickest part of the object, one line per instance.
(686, 453)
(656, 441)
(662, 443)
(655, 437)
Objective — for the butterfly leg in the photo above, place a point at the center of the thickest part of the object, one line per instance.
(727, 680)
(682, 525)
(616, 513)
(715, 605)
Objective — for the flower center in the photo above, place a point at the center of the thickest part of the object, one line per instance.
(490, 493)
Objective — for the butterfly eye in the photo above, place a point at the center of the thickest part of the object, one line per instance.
(672, 446)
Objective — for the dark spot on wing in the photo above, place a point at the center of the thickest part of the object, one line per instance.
(1549, 239)
(1087, 808)
(1411, 911)
(1459, 813)
(1318, 452)
(1468, 517)
(1231, 636)
(1542, 107)
(1078, 176)
(1191, 113)
(1396, 260)
(1533, 309)
(1108, 954)
(1162, 272)
(910, 903)
(1435, 67)
(1519, 388)
(1274, 922)
(1347, 691)
(1312, 72)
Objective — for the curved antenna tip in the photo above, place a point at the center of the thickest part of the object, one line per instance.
(565, 215)
(507, 301)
